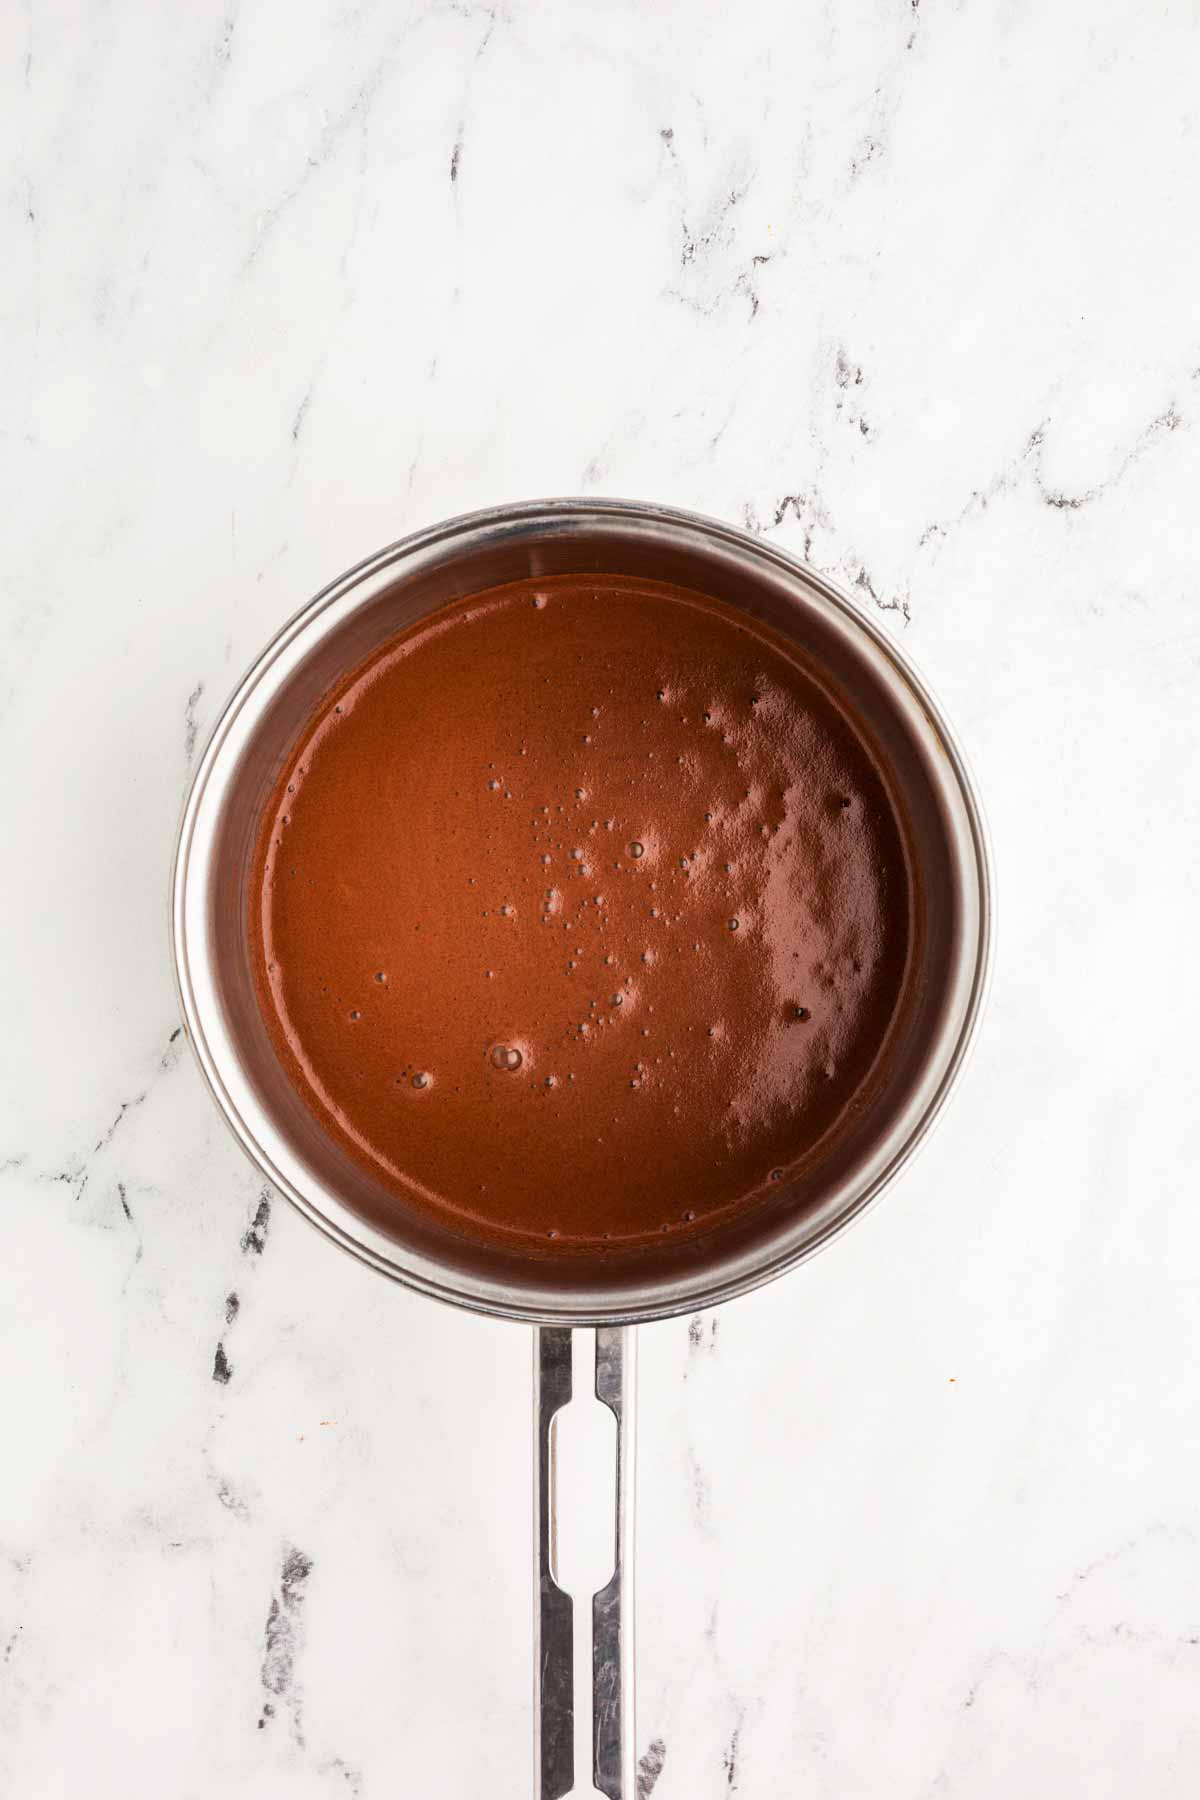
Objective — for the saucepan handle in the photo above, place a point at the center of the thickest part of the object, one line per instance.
(560, 1687)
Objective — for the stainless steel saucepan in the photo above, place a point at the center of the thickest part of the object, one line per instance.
(335, 631)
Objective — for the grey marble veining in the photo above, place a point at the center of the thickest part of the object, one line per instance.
(908, 287)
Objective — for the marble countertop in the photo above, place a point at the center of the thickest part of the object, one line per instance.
(908, 286)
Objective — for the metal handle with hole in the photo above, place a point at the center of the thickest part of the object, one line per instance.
(560, 1688)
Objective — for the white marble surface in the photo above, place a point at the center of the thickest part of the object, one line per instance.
(909, 286)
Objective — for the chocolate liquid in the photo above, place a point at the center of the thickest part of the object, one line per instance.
(581, 913)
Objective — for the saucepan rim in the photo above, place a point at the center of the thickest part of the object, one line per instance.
(211, 1043)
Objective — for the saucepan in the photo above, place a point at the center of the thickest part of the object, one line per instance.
(605, 1296)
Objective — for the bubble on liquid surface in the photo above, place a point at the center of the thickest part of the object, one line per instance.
(420, 1079)
(636, 850)
(506, 1057)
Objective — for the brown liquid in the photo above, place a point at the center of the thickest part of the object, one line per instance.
(580, 914)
